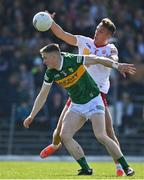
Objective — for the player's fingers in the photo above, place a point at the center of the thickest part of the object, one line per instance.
(133, 70)
(26, 124)
(130, 71)
(132, 67)
(53, 15)
(124, 75)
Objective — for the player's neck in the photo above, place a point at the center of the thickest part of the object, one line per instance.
(101, 43)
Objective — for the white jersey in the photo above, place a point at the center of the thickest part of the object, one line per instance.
(98, 72)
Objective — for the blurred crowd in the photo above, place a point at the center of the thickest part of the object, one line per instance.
(21, 68)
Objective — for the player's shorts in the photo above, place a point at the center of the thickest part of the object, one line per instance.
(103, 95)
(95, 105)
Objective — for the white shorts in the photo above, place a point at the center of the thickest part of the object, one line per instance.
(95, 105)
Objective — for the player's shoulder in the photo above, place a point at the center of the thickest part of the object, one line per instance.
(111, 45)
(111, 48)
(49, 75)
(84, 38)
(71, 59)
(67, 55)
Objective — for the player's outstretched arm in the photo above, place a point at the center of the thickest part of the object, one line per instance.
(38, 104)
(121, 67)
(61, 34)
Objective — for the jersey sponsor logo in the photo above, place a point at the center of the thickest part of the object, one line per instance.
(71, 79)
(113, 51)
(64, 73)
(91, 95)
(86, 51)
(103, 51)
(71, 70)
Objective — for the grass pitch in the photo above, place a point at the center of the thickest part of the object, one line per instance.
(62, 170)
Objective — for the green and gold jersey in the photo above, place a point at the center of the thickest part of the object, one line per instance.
(74, 78)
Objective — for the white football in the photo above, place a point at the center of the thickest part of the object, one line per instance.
(42, 21)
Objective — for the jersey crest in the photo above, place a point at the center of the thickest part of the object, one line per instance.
(86, 51)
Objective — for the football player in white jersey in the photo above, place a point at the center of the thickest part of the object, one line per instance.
(99, 46)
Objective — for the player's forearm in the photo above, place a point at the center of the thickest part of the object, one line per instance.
(63, 35)
(107, 62)
(92, 59)
(38, 104)
(57, 30)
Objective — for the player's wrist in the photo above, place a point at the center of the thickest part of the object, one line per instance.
(31, 116)
(115, 65)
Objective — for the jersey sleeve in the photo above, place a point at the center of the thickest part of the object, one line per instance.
(74, 59)
(80, 59)
(113, 50)
(81, 40)
(48, 77)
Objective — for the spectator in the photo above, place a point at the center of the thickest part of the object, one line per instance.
(55, 107)
(20, 43)
(126, 110)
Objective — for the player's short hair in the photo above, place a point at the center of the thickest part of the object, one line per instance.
(107, 23)
(50, 48)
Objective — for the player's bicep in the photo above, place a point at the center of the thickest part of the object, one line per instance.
(89, 60)
(45, 89)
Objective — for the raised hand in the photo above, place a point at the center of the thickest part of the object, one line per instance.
(52, 15)
(124, 68)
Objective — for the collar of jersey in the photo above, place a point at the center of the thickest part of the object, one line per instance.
(61, 65)
(101, 45)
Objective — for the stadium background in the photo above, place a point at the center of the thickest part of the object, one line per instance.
(21, 73)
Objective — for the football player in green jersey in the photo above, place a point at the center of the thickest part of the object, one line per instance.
(69, 71)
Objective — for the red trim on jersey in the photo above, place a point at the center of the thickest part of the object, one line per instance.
(97, 46)
(103, 95)
(68, 102)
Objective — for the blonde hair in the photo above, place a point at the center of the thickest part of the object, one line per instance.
(107, 23)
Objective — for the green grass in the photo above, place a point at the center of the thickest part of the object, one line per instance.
(62, 170)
